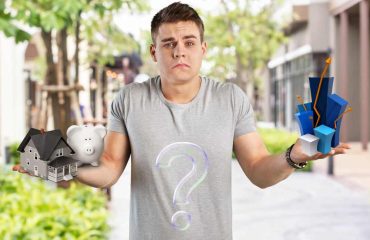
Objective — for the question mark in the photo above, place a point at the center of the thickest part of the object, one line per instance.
(189, 151)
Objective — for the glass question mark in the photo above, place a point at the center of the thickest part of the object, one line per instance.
(181, 219)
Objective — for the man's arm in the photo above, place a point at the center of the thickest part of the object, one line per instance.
(265, 170)
(112, 162)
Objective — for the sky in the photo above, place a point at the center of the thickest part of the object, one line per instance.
(134, 24)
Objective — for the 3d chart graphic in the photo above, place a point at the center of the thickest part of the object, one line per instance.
(49, 156)
(320, 120)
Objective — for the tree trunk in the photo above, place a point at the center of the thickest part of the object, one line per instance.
(241, 74)
(64, 103)
(50, 78)
(77, 51)
(75, 103)
(244, 79)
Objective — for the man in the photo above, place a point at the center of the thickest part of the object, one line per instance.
(179, 120)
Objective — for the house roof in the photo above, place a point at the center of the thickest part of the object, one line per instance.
(45, 143)
(27, 138)
(61, 161)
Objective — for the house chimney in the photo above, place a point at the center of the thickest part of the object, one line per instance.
(42, 131)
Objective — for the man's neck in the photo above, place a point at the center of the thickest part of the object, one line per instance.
(181, 92)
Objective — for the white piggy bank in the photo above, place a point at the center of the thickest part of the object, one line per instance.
(87, 142)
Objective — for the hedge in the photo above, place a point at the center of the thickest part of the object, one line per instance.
(31, 209)
(277, 141)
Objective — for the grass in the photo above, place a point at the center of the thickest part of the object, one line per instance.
(277, 141)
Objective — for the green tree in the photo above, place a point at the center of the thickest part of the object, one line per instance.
(241, 40)
(57, 20)
(8, 26)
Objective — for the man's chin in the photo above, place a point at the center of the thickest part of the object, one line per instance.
(181, 78)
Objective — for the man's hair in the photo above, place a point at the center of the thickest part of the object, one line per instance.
(174, 13)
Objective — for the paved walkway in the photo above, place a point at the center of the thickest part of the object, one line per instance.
(306, 206)
(351, 169)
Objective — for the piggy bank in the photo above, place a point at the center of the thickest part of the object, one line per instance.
(87, 142)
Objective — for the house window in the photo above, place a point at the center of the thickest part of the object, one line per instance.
(36, 156)
(28, 162)
(30, 149)
(59, 152)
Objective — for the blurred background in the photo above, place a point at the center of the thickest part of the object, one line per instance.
(63, 61)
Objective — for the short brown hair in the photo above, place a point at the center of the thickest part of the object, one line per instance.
(173, 13)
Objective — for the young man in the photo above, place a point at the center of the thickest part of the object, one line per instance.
(178, 121)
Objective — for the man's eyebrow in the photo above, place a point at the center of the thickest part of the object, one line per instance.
(173, 39)
(189, 36)
(168, 39)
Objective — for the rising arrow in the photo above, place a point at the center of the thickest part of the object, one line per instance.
(327, 61)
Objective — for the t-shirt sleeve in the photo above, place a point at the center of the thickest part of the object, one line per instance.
(116, 116)
(244, 114)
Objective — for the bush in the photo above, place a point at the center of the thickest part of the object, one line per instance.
(32, 210)
(277, 141)
(14, 155)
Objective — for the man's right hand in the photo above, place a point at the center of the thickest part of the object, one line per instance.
(18, 168)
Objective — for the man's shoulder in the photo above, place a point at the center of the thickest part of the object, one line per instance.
(218, 86)
(226, 91)
(139, 87)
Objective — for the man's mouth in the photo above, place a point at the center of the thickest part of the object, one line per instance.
(181, 65)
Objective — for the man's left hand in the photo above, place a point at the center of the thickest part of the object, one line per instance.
(298, 156)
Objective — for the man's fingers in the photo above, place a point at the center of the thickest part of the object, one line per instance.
(19, 169)
(344, 145)
(340, 150)
(16, 167)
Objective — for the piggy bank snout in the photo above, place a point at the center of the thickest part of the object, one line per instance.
(88, 149)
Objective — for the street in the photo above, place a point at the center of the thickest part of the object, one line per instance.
(306, 206)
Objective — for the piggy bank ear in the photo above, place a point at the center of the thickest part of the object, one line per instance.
(101, 130)
(72, 130)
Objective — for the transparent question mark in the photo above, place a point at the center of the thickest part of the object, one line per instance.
(189, 151)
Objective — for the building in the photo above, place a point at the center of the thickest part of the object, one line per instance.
(318, 30)
(350, 20)
(12, 93)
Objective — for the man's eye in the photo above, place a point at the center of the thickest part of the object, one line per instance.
(189, 44)
(170, 45)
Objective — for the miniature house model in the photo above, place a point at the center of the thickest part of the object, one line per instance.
(47, 155)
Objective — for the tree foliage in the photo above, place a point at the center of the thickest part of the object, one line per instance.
(9, 27)
(241, 40)
(88, 21)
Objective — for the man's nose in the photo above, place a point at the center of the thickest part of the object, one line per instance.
(179, 51)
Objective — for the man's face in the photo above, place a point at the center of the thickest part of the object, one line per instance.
(178, 51)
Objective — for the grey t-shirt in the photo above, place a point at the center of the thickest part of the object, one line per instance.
(181, 158)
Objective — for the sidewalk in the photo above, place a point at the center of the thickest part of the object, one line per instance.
(351, 169)
(306, 206)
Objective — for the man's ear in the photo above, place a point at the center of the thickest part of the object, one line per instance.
(152, 52)
(204, 47)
